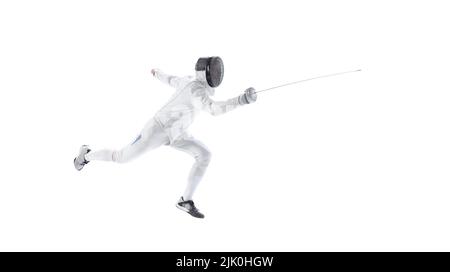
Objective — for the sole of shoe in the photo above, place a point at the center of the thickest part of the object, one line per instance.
(182, 208)
(75, 164)
(187, 211)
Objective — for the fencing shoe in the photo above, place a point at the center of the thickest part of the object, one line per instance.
(189, 207)
(79, 162)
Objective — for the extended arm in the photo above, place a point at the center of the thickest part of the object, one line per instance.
(165, 78)
(220, 107)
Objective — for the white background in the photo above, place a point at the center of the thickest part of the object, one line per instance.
(356, 162)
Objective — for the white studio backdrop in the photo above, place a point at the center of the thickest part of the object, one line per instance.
(356, 162)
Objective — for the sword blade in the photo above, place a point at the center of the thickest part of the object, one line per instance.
(308, 79)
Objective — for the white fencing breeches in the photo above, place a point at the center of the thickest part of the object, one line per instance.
(151, 137)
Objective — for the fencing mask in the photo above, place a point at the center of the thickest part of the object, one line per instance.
(213, 67)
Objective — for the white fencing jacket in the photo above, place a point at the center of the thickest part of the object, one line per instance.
(192, 95)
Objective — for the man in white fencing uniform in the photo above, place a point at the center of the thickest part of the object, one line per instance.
(169, 125)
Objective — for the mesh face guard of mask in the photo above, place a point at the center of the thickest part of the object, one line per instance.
(214, 70)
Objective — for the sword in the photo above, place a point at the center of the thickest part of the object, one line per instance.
(308, 79)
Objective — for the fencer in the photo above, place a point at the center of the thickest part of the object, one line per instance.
(169, 125)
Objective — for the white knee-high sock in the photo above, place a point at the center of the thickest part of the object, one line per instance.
(100, 155)
(196, 174)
